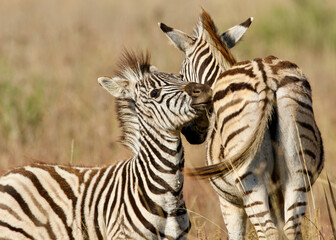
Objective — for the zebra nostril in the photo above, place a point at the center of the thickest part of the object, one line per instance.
(196, 92)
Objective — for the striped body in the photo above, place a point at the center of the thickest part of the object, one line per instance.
(57, 202)
(263, 140)
(265, 105)
(140, 198)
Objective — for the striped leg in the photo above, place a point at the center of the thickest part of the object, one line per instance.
(295, 187)
(234, 218)
(299, 152)
(257, 206)
(253, 182)
(295, 207)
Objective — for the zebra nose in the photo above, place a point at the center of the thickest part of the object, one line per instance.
(196, 90)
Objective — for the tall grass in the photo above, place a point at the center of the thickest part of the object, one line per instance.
(51, 52)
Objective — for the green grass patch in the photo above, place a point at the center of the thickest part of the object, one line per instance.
(305, 23)
(21, 108)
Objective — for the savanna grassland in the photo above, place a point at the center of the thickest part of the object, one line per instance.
(53, 110)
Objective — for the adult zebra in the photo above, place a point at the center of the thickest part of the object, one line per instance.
(263, 128)
(140, 198)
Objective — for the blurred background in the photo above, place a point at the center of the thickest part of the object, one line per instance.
(53, 110)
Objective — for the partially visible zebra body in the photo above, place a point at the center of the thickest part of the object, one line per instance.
(140, 198)
(262, 137)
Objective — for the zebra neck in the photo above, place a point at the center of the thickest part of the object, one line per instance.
(208, 62)
(161, 147)
(129, 123)
(221, 55)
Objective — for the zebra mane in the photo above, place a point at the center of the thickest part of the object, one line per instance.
(207, 28)
(129, 123)
(133, 67)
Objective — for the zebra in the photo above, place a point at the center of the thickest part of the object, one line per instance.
(139, 198)
(263, 141)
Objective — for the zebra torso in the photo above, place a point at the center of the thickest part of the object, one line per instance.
(140, 198)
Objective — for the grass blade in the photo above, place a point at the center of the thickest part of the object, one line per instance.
(332, 194)
(329, 214)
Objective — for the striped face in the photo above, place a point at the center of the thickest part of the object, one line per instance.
(162, 100)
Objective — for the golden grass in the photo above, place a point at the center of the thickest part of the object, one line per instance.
(52, 52)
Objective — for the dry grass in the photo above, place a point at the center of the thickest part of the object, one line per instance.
(51, 53)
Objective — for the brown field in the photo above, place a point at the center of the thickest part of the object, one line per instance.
(53, 110)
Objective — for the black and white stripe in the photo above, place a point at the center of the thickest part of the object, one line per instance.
(262, 133)
(140, 198)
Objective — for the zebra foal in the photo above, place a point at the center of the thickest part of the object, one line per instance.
(262, 132)
(139, 198)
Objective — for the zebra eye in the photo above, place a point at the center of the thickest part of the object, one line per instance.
(155, 93)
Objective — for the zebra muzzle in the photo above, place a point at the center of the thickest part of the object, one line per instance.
(200, 94)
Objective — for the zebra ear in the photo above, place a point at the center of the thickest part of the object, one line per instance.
(233, 35)
(180, 39)
(117, 87)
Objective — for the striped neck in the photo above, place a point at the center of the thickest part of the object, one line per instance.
(165, 147)
(128, 119)
(219, 52)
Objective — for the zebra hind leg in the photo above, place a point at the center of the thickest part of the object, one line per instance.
(257, 208)
(234, 218)
(295, 208)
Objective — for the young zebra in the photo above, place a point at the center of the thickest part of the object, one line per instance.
(140, 198)
(263, 134)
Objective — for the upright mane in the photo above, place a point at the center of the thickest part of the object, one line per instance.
(134, 67)
(207, 29)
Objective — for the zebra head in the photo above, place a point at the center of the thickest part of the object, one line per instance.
(207, 53)
(155, 99)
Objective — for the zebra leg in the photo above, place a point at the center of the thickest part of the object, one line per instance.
(295, 207)
(254, 180)
(234, 218)
(257, 206)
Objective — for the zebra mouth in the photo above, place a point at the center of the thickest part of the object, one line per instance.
(201, 106)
